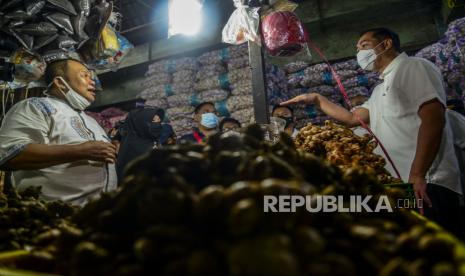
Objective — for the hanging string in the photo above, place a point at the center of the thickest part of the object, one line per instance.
(347, 100)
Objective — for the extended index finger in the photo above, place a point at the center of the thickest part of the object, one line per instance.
(292, 101)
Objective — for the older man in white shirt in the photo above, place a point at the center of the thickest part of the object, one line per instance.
(407, 114)
(50, 142)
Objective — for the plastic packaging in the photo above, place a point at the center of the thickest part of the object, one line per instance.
(83, 6)
(28, 67)
(244, 116)
(280, 5)
(210, 71)
(8, 43)
(37, 29)
(283, 34)
(156, 80)
(62, 21)
(160, 102)
(235, 103)
(179, 100)
(63, 6)
(79, 23)
(124, 48)
(184, 76)
(240, 74)
(10, 4)
(53, 55)
(65, 42)
(16, 24)
(242, 26)
(41, 41)
(26, 40)
(238, 63)
(108, 44)
(33, 7)
(97, 19)
(18, 15)
(216, 95)
(296, 66)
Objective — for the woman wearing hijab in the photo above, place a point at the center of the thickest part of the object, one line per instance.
(143, 131)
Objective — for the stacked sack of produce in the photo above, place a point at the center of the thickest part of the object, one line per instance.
(448, 55)
(225, 79)
(302, 78)
(214, 78)
(240, 104)
(109, 117)
(169, 85)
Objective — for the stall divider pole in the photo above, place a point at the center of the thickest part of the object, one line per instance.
(259, 91)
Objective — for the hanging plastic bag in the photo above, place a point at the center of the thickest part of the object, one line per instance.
(42, 28)
(279, 5)
(109, 42)
(42, 41)
(8, 43)
(113, 62)
(283, 34)
(62, 21)
(16, 24)
(65, 42)
(26, 40)
(98, 18)
(79, 22)
(242, 26)
(18, 15)
(52, 54)
(33, 7)
(115, 20)
(63, 6)
(28, 67)
(83, 6)
(10, 4)
(124, 48)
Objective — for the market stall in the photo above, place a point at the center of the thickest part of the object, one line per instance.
(252, 201)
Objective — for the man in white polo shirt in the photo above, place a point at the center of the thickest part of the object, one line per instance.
(407, 113)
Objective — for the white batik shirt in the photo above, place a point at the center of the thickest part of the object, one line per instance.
(51, 121)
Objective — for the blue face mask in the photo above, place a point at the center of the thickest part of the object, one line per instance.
(209, 120)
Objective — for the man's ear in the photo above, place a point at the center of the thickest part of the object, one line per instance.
(388, 44)
(59, 84)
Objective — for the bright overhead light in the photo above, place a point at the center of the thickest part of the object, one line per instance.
(185, 17)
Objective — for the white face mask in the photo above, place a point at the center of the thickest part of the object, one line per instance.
(366, 58)
(74, 99)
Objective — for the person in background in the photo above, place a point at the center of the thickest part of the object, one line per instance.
(287, 114)
(457, 122)
(114, 134)
(228, 124)
(407, 112)
(141, 133)
(457, 106)
(206, 119)
(168, 136)
(50, 142)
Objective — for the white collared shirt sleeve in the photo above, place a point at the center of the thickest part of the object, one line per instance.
(422, 82)
(25, 123)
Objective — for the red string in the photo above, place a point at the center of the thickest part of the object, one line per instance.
(347, 100)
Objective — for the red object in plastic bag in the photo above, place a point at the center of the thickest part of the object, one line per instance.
(283, 34)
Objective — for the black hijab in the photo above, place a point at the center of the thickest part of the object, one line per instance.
(139, 135)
